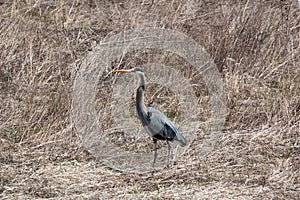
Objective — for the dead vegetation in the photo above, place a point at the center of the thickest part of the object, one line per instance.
(255, 45)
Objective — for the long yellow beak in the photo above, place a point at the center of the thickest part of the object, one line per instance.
(121, 70)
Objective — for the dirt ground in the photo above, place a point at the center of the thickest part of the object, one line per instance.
(255, 46)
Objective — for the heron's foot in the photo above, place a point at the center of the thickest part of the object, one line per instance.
(154, 171)
(168, 165)
(153, 165)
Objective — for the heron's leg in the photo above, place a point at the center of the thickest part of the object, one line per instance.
(169, 151)
(155, 152)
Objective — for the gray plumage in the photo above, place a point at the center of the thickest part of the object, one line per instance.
(156, 124)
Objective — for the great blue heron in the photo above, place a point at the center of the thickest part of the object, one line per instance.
(156, 124)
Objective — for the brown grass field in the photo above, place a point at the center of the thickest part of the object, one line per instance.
(255, 46)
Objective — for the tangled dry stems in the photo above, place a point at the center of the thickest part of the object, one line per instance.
(255, 46)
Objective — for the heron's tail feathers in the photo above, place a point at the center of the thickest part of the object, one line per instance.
(179, 137)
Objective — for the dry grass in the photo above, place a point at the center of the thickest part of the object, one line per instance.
(255, 46)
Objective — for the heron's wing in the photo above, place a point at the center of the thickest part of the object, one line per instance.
(162, 125)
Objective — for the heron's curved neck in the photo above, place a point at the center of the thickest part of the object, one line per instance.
(142, 80)
(140, 105)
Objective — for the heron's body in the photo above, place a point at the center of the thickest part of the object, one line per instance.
(156, 124)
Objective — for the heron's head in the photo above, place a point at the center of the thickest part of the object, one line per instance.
(135, 70)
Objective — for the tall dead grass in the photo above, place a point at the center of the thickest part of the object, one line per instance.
(255, 45)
